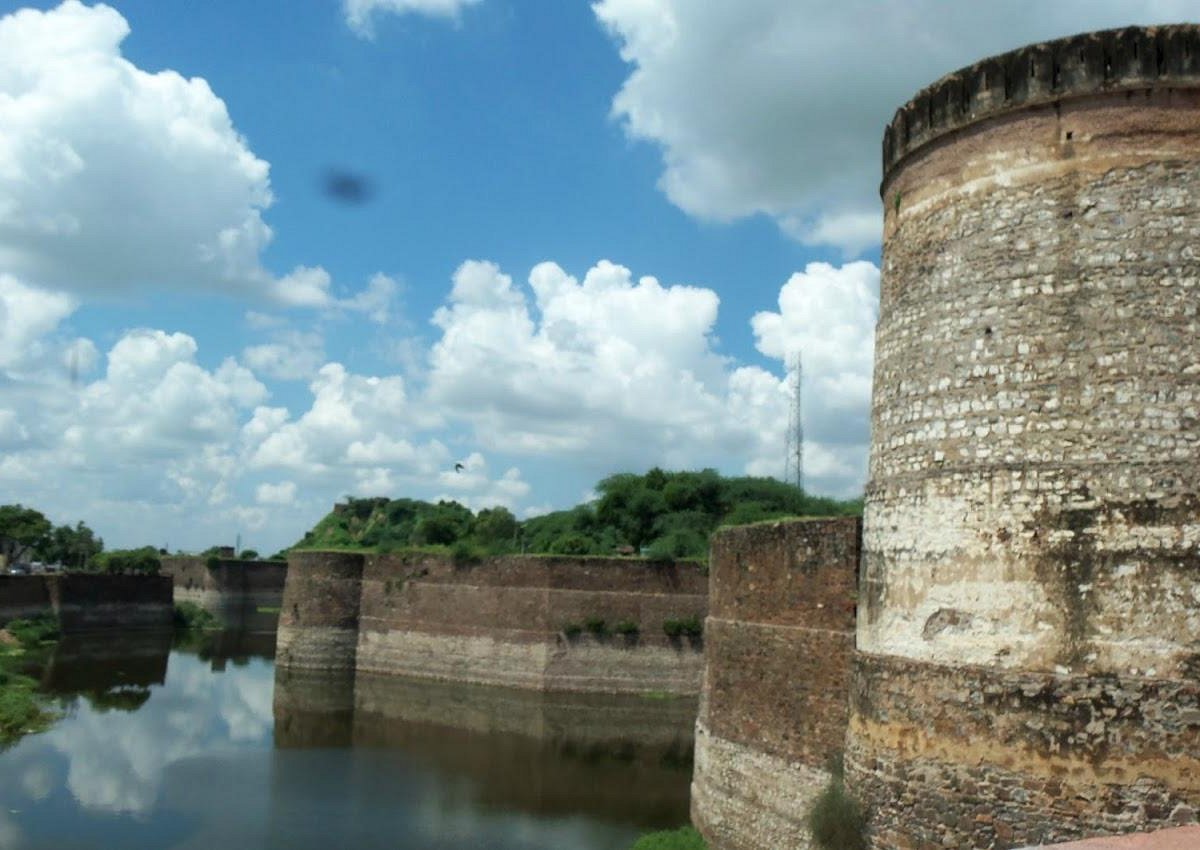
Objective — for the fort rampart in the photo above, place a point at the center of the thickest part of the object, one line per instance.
(213, 581)
(780, 636)
(1029, 633)
(521, 621)
(84, 602)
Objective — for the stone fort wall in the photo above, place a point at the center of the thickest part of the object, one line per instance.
(501, 621)
(773, 713)
(84, 602)
(1029, 633)
(242, 594)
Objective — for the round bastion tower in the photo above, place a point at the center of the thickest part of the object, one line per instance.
(1029, 620)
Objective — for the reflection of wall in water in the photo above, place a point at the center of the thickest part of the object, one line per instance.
(547, 754)
(236, 646)
(112, 671)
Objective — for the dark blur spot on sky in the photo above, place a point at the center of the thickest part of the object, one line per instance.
(347, 188)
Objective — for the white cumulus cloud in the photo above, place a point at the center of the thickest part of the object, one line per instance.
(351, 424)
(291, 355)
(617, 373)
(283, 493)
(113, 178)
(778, 107)
(360, 14)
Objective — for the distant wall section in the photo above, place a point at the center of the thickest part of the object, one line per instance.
(243, 594)
(773, 713)
(86, 602)
(516, 620)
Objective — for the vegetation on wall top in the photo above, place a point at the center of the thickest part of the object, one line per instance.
(662, 515)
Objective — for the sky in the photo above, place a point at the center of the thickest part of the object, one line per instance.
(259, 257)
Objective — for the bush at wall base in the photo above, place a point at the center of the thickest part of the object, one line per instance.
(684, 838)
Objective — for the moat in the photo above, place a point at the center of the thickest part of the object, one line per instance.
(199, 746)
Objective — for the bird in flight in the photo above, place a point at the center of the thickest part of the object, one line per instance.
(458, 467)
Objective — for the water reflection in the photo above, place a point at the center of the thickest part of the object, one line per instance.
(625, 758)
(196, 747)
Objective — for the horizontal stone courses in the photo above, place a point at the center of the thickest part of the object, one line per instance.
(567, 591)
(499, 621)
(1184, 838)
(745, 799)
(780, 627)
(1102, 728)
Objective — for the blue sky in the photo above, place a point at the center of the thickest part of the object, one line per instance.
(594, 236)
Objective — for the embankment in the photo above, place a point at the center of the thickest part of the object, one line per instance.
(537, 622)
(773, 714)
(86, 602)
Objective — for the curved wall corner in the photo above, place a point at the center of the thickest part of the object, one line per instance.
(778, 644)
(319, 617)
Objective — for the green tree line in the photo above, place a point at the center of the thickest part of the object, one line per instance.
(660, 514)
(27, 535)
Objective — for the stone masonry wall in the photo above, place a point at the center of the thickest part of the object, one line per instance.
(225, 580)
(1030, 621)
(773, 713)
(85, 602)
(506, 621)
(318, 621)
(244, 595)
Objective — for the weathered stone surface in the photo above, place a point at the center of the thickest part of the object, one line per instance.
(991, 758)
(318, 621)
(779, 639)
(1030, 616)
(744, 798)
(501, 621)
(86, 602)
(1187, 838)
(226, 583)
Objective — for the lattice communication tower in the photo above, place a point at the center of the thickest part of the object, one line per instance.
(793, 464)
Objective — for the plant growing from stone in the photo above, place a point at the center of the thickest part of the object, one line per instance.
(836, 820)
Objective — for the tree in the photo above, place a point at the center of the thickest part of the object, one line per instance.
(249, 555)
(495, 525)
(21, 529)
(144, 560)
(72, 547)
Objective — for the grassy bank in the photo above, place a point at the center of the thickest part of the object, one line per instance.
(23, 708)
(684, 838)
(190, 617)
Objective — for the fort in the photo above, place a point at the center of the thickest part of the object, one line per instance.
(780, 635)
(545, 623)
(1027, 663)
(241, 594)
(85, 602)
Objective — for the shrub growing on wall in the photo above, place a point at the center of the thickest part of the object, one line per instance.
(836, 820)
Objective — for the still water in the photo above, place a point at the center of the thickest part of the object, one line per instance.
(202, 747)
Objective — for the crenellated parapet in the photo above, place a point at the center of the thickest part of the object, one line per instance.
(1120, 60)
